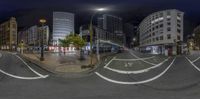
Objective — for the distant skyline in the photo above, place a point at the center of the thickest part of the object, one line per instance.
(133, 11)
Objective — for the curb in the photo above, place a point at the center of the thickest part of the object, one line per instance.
(55, 73)
(68, 74)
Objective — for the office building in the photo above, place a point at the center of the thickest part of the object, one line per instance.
(32, 33)
(161, 32)
(130, 32)
(63, 25)
(112, 25)
(45, 31)
(196, 36)
(31, 37)
(8, 34)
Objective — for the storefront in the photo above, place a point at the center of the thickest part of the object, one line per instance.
(167, 49)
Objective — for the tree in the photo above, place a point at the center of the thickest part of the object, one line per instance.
(64, 43)
(74, 39)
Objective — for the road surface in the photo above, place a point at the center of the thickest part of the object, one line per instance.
(129, 75)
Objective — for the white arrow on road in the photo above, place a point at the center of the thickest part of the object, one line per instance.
(139, 82)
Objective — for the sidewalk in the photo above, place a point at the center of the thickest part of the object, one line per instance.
(60, 63)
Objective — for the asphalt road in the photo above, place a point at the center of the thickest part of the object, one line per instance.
(131, 76)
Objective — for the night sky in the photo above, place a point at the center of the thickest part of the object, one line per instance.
(28, 12)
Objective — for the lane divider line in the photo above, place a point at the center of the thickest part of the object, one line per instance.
(192, 63)
(137, 71)
(139, 82)
(31, 68)
(24, 78)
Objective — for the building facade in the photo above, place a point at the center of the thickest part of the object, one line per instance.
(161, 32)
(130, 32)
(112, 25)
(31, 37)
(45, 31)
(63, 25)
(196, 34)
(8, 34)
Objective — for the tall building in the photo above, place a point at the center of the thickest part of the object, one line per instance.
(196, 35)
(113, 25)
(8, 34)
(161, 31)
(130, 34)
(45, 31)
(31, 37)
(63, 25)
(22, 36)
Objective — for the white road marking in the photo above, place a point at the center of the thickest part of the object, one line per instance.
(196, 59)
(19, 77)
(137, 71)
(192, 63)
(109, 62)
(43, 76)
(134, 59)
(141, 60)
(139, 82)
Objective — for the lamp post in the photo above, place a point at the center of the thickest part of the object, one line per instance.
(42, 21)
(91, 35)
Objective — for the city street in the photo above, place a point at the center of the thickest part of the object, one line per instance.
(128, 75)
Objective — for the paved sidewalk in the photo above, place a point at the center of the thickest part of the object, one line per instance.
(60, 63)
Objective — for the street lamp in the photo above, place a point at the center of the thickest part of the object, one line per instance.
(91, 35)
(42, 21)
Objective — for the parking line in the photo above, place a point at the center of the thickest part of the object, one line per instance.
(192, 63)
(109, 62)
(137, 71)
(134, 59)
(139, 82)
(139, 58)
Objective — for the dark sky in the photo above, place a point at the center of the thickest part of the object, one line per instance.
(29, 11)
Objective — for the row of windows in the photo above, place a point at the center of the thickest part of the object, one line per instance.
(160, 38)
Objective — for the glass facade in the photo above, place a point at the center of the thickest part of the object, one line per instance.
(63, 25)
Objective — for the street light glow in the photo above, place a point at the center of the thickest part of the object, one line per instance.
(43, 21)
(101, 9)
